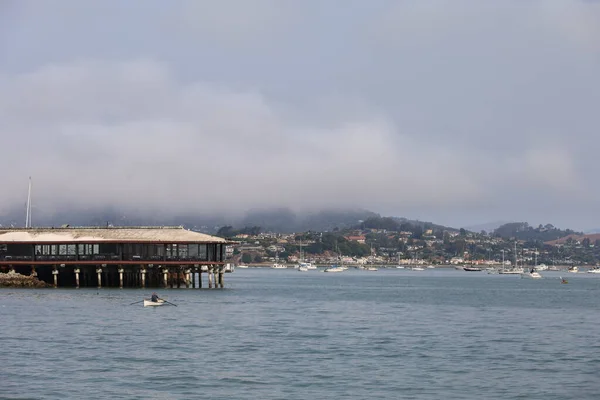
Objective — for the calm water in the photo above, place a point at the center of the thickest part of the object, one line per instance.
(282, 334)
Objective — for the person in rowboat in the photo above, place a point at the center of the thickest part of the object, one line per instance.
(154, 298)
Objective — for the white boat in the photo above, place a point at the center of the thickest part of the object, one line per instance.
(371, 269)
(302, 268)
(417, 269)
(306, 265)
(574, 269)
(279, 266)
(430, 267)
(516, 270)
(400, 267)
(541, 267)
(531, 275)
(334, 268)
(512, 271)
(594, 270)
(242, 266)
(150, 303)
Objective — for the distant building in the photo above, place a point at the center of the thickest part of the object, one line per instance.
(109, 256)
(358, 238)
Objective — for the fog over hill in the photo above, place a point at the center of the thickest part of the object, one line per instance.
(277, 220)
(458, 113)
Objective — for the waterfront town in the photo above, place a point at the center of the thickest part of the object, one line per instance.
(406, 244)
(175, 256)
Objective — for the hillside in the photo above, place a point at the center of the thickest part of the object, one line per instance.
(522, 231)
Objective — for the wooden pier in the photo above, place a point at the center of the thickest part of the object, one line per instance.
(117, 257)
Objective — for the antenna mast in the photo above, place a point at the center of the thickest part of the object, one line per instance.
(28, 214)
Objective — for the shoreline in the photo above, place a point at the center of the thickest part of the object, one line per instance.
(12, 279)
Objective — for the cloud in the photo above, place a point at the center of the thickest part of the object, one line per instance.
(130, 134)
(457, 111)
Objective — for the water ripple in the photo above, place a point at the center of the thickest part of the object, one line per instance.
(278, 335)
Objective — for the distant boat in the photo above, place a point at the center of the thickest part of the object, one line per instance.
(150, 303)
(302, 268)
(371, 269)
(279, 266)
(242, 266)
(472, 268)
(229, 267)
(516, 270)
(541, 267)
(531, 275)
(574, 269)
(512, 271)
(595, 270)
(337, 268)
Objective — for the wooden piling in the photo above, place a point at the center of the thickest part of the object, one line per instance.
(77, 277)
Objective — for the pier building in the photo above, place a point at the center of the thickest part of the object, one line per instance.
(132, 257)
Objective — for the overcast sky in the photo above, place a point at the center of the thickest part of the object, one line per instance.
(457, 112)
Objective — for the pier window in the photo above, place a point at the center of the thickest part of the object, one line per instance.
(158, 252)
(131, 250)
(71, 249)
(202, 252)
(211, 252)
(193, 251)
(183, 251)
(88, 249)
(171, 250)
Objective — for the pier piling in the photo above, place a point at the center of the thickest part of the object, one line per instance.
(76, 277)
(99, 272)
(55, 275)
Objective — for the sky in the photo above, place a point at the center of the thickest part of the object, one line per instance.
(453, 111)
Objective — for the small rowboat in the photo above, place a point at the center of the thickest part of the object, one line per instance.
(150, 303)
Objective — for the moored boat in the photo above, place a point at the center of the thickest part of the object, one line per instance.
(531, 275)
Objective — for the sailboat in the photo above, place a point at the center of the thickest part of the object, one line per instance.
(277, 265)
(303, 265)
(533, 274)
(337, 268)
(514, 270)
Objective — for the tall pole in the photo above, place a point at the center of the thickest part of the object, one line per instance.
(28, 212)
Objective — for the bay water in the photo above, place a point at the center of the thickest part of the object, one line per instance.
(285, 334)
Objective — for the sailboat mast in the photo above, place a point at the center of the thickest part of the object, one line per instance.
(28, 212)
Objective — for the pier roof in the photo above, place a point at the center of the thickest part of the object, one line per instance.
(148, 234)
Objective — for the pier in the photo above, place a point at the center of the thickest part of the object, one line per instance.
(116, 257)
